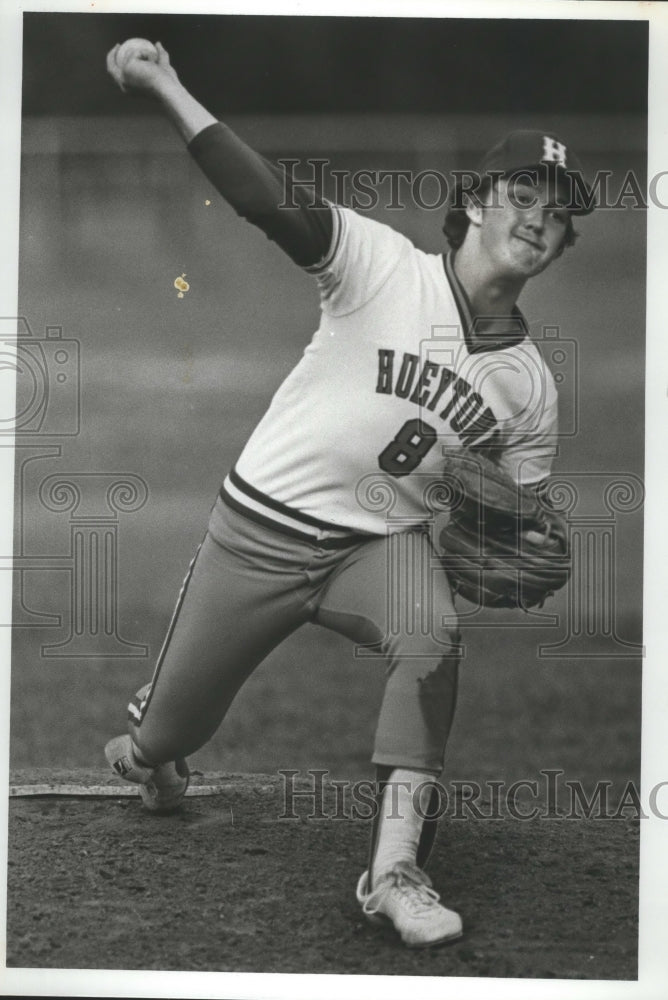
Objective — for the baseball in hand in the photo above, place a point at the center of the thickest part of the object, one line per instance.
(136, 48)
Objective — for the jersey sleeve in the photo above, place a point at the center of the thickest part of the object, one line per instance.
(362, 256)
(299, 222)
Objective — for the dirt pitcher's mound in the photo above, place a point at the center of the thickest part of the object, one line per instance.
(227, 884)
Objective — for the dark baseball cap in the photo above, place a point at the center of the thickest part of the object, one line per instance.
(543, 154)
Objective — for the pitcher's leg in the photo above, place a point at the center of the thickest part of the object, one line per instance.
(392, 597)
(243, 595)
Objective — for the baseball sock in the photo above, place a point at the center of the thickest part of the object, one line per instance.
(400, 823)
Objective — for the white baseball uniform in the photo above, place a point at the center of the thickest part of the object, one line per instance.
(395, 375)
(326, 517)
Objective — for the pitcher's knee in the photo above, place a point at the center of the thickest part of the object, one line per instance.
(435, 644)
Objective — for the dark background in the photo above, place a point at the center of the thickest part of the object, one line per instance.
(317, 64)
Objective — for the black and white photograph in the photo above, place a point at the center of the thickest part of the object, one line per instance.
(333, 421)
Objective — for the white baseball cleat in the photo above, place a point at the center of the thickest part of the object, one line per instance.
(404, 897)
(161, 788)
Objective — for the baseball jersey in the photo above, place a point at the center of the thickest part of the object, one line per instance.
(397, 374)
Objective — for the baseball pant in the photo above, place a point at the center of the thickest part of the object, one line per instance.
(249, 587)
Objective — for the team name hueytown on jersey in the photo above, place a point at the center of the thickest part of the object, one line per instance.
(429, 386)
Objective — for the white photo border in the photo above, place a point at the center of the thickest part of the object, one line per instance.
(653, 953)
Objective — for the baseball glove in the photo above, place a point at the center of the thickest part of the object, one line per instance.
(502, 547)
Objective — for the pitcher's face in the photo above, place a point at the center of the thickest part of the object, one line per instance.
(521, 230)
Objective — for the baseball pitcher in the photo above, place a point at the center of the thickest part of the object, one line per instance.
(299, 532)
